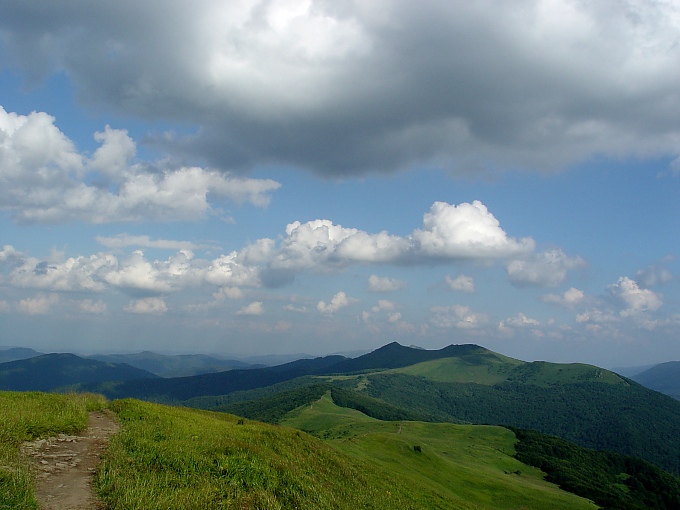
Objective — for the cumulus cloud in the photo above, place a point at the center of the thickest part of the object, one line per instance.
(636, 300)
(547, 269)
(461, 283)
(384, 310)
(457, 316)
(628, 305)
(438, 81)
(450, 232)
(44, 179)
(507, 326)
(568, 299)
(521, 321)
(254, 308)
(340, 300)
(147, 306)
(384, 284)
(38, 305)
(465, 231)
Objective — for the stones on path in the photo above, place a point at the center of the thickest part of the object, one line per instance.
(65, 465)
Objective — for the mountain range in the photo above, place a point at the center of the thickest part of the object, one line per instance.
(584, 404)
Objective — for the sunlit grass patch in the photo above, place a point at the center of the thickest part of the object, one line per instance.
(175, 458)
(28, 416)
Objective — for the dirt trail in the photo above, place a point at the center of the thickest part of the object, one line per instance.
(66, 465)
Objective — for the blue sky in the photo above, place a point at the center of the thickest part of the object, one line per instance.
(298, 176)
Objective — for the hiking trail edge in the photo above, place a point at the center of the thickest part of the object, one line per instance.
(66, 465)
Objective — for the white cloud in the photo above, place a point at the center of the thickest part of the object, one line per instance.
(38, 305)
(136, 273)
(450, 232)
(636, 300)
(262, 79)
(44, 179)
(340, 300)
(147, 306)
(547, 269)
(465, 231)
(56, 274)
(631, 306)
(385, 310)
(9, 256)
(461, 283)
(384, 284)
(93, 307)
(254, 308)
(521, 321)
(228, 293)
(457, 316)
(568, 299)
(597, 316)
(384, 305)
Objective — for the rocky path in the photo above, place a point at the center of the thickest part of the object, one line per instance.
(66, 465)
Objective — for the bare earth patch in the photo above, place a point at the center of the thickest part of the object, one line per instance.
(66, 465)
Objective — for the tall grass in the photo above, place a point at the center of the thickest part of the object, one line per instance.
(28, 416)
(174, 458)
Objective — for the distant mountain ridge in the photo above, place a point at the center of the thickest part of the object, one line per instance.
(51, 371)
(17, 353)
(395, 355)
(664, 378)
(178, 365)
(183, 388)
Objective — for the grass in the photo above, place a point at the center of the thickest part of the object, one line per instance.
(497, 369)
(176, 458)
(462, 466)
(494, 370)
(28, 416)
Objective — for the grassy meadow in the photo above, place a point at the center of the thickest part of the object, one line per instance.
(177, 458)
(186, 459)
(28, 416)
(465, 466)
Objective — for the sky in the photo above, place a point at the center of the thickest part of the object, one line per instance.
(306, 176)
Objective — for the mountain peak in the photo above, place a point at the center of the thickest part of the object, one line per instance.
(395, 355)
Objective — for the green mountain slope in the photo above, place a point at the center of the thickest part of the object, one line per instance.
(609, 479)
(583, 404)
(455, 454)
(625, 418)
(664, 378)
(394, 355)
(51, 371)
(465, 466)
